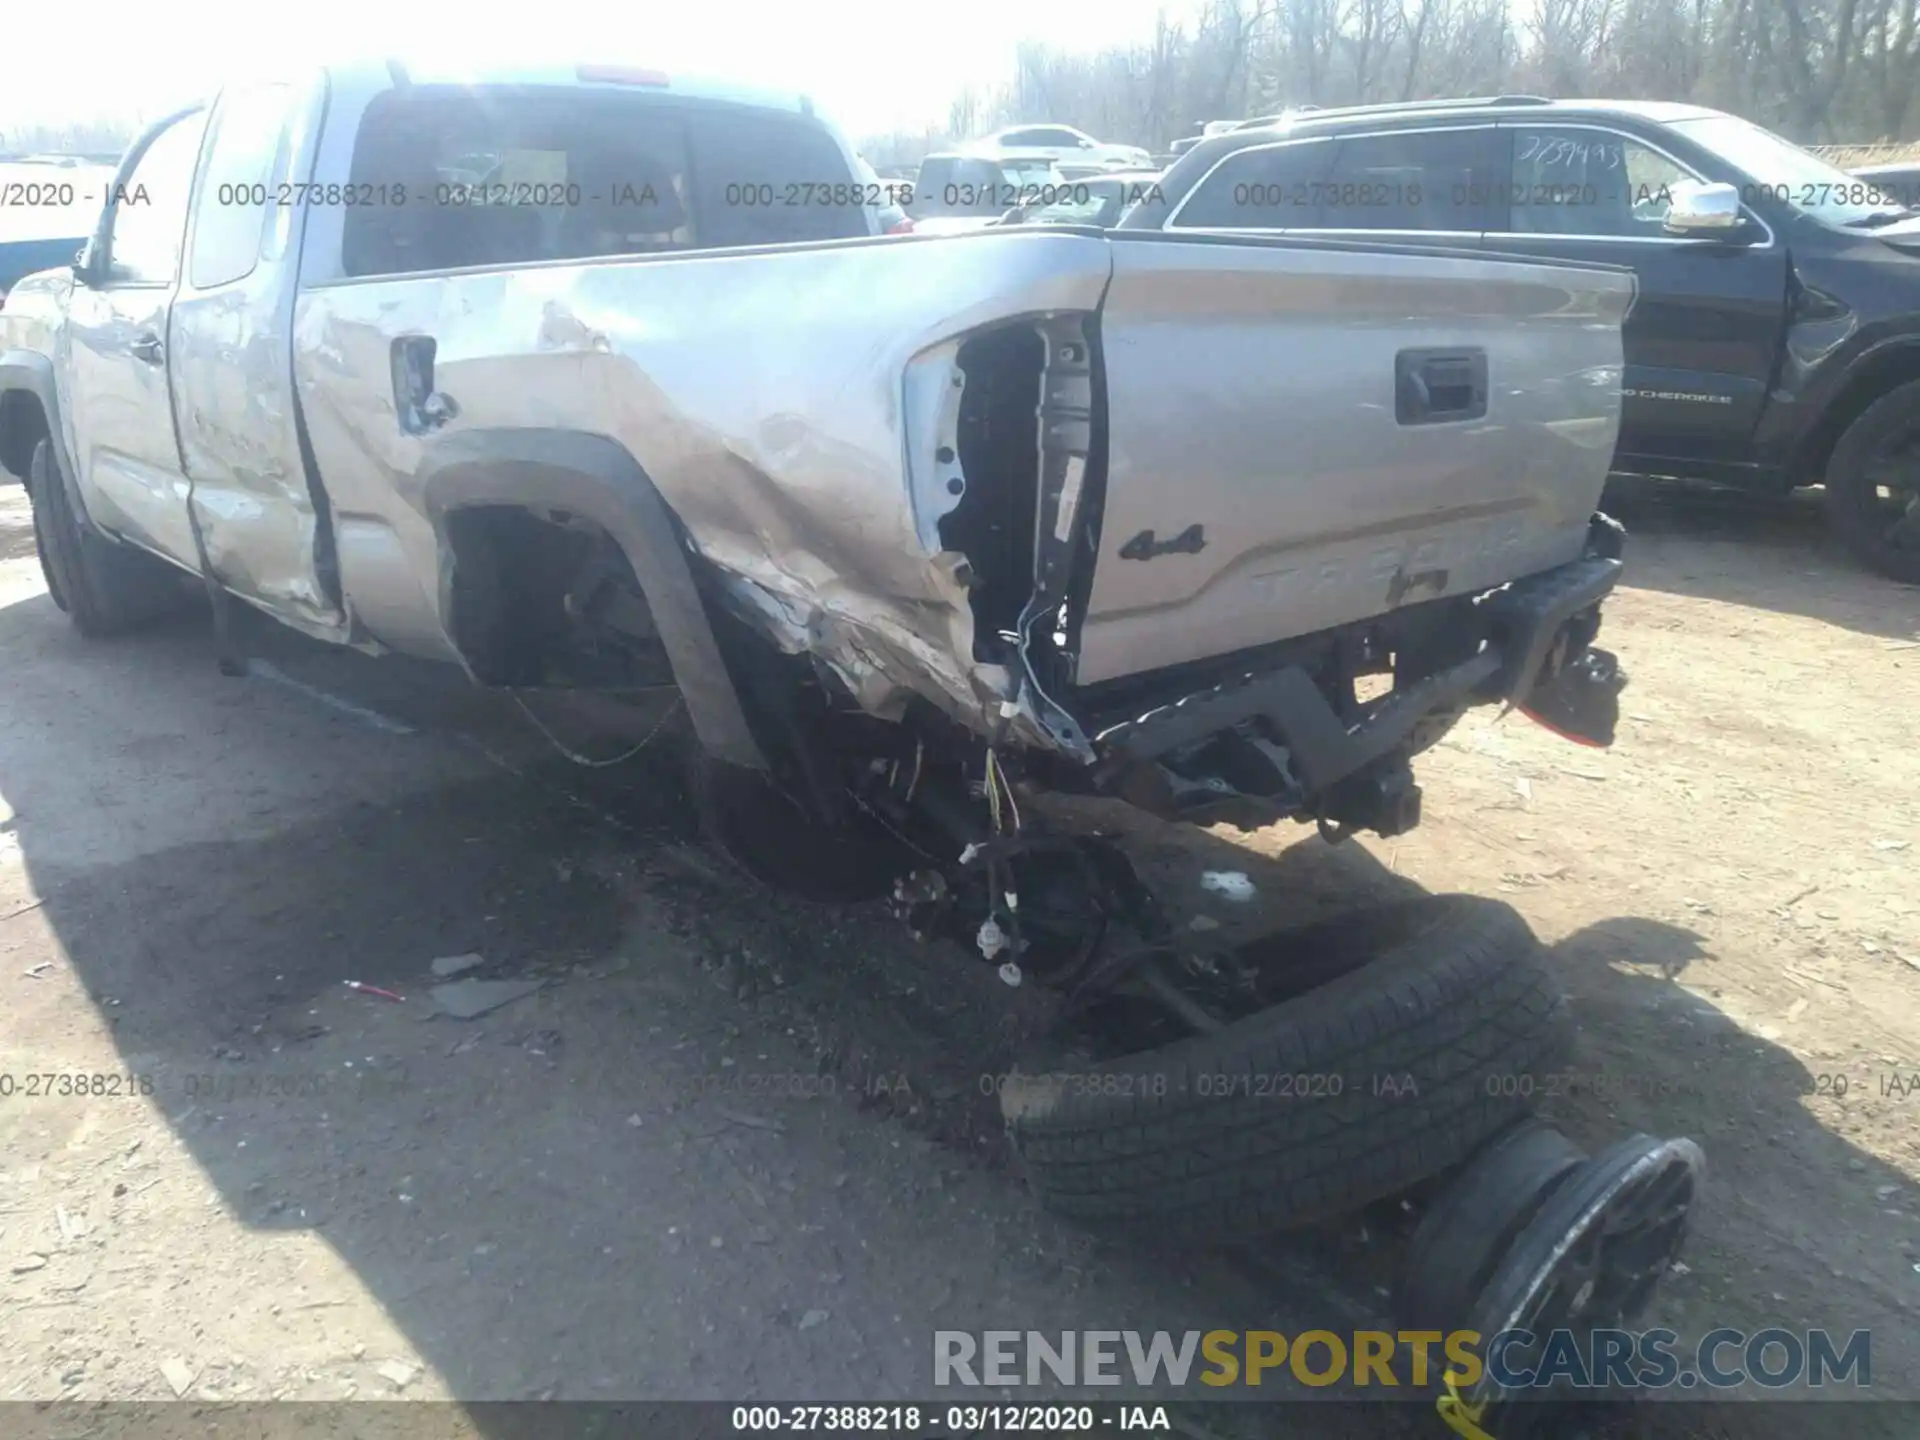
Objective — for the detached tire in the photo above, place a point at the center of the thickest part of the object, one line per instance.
(106, 589)
(1287, 1117)
(1881, 449)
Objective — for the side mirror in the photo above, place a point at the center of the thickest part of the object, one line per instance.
(1084, 144)
(1704, 209)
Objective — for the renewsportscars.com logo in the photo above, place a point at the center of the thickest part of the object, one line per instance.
(1512, 1359)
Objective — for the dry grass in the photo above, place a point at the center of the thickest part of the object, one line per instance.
(1849, 157)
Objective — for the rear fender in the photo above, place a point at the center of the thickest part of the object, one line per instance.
(595, 478)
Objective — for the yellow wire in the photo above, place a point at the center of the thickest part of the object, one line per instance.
(1457, 1415)
(997, 781)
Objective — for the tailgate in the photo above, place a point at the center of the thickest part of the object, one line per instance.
(1303, 434)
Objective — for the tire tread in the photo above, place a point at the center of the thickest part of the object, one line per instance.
(1464, 1002)
(1846, 473)
(106, 589)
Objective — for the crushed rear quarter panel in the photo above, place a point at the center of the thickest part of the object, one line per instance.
(782, 400)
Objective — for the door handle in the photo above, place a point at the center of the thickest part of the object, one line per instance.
(150, 349)
(1433, 386)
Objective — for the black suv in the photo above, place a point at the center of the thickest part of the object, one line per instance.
(1776, 338)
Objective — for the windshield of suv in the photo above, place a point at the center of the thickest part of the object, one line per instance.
(1783, 171)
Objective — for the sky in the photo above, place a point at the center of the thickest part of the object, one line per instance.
(873, 65)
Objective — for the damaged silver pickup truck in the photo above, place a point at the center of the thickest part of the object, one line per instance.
(594, 379)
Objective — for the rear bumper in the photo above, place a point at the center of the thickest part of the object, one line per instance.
(1292, 742)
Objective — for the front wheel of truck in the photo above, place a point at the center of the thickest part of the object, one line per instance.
(1873, 485)
(105, 589)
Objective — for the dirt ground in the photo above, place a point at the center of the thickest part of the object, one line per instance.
(738, 1147)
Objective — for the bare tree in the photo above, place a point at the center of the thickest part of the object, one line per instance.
(80, 137)
(1819, 47)
(1891, 60)
(1815, 69)
(1416, 33)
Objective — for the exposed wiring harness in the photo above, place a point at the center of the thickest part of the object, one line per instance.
(997, 785)
(567, 751)
(587, 760)
(1003, 900)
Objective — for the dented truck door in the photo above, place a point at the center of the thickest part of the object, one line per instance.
(117, 402)
(1302, 433)
(259, 508)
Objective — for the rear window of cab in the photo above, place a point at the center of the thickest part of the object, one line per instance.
(456, 177)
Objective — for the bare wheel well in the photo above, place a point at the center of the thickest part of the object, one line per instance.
(23, 425)
(548, 597)
(1875, 379)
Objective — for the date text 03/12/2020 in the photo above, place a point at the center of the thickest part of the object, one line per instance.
(934, 1420)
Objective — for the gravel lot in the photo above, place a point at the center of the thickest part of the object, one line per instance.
(633, 1182)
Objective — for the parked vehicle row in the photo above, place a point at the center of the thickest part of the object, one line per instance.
(1073, 151)
(1098, 200)
(954, 190)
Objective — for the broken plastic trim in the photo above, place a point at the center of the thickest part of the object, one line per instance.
(1021, 439)
(992, 442)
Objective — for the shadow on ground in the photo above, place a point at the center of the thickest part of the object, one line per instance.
(1744, 548)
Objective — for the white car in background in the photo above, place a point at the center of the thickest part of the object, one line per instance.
(1074, 151)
